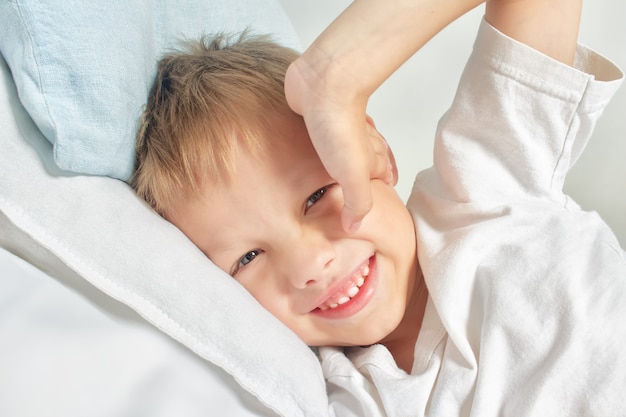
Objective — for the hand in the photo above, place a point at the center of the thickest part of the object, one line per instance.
(330, 84)
(346, 140)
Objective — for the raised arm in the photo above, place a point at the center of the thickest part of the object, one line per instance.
(366, 44)
(330, 84)
(549, 26)
(332, 81)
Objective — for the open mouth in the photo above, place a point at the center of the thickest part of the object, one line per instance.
(353, 296)
(350, 290)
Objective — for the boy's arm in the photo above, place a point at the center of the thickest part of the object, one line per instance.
(548, 26)
(332, 81)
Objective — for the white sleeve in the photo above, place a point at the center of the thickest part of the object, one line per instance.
(519, 120)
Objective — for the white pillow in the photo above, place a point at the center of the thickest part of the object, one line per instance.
(98, 228)
(83, 68)
(80, 353)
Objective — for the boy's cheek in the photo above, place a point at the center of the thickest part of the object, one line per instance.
(389, 211)
(385, 192)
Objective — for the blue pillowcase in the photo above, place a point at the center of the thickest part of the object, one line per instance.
(83, 69)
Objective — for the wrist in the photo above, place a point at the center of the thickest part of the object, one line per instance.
(317, 80)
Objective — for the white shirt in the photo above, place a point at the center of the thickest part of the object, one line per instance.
(527, 307)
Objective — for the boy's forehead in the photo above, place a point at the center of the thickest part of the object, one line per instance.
(281, 149)
(282, 154)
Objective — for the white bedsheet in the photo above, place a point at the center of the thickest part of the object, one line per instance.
(67, 349)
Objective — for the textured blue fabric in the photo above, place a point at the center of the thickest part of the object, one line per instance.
(83, 69)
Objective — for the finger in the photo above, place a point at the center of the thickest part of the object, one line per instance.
(358, 201)
(353, 176)
(348, 161)
(382, 161)
(390, 175)
(355, 181)
(393, 175)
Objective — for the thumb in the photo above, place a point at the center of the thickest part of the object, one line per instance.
(357, 195)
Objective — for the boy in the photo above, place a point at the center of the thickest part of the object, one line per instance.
(486, 322)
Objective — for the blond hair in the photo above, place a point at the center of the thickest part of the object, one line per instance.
(207, 99)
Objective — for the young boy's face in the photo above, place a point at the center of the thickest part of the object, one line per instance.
(277, 229)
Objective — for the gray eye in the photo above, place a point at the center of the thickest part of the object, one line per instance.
(248, 257)
(316, 196)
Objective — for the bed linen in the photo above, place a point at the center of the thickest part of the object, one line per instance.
(95, 238)
(83, 70)
(67, 349)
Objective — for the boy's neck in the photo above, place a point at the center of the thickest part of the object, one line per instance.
(401, 343)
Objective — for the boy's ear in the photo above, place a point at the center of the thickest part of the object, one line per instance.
(390, 178)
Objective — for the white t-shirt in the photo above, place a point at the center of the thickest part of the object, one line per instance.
(527, 307)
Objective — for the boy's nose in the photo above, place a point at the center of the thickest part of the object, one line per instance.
(307, 257)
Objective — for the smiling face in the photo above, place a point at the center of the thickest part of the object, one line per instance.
(276, 228)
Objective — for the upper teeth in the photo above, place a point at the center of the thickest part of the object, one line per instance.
(343, 296)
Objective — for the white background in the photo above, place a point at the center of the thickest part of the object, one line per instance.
(407, 107)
